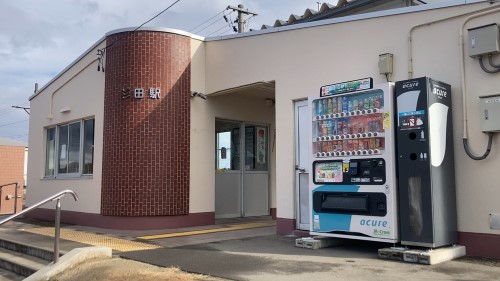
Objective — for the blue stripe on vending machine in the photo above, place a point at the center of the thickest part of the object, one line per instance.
(353, 191)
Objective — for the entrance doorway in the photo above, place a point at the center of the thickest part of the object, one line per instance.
(302, 164)
(242, 169)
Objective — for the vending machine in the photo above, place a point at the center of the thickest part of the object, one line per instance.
(426, 177)
(353, 190)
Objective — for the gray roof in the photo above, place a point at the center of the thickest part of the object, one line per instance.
(343, 8)
(10, 142)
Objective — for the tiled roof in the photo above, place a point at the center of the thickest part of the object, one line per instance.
(342, 8)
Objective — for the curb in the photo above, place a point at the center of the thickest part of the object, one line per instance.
(70, 260)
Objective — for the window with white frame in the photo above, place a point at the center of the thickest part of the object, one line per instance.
(70, 149)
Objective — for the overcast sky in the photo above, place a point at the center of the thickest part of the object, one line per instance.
(39, 38)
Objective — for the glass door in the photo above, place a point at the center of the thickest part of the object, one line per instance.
(242, 169)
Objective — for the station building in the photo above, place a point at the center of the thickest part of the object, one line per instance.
(180, 130)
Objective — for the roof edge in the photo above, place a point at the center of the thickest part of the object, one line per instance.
(370, 15)
(102, 39)
(157, 29)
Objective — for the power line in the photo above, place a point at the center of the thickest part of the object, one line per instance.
(8, 124)
(101, 52)
(210, 25)
(224, 32)
(217, 30)
(206, 21)
(6, 111)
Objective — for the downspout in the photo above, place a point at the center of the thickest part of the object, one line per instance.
(60, 87)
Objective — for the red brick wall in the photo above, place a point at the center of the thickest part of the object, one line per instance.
(11, 170)
(146, 141)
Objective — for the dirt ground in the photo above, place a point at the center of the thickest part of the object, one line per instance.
(118, 269)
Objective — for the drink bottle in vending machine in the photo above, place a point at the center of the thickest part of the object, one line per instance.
(353, 186)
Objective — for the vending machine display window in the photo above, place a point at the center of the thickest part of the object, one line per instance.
(349, 124)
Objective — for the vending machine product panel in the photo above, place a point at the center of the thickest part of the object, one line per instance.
(353, 184)
(426, 176)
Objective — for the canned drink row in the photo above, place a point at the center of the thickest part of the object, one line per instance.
(348, 103)
(350, 136)
(349, 126)
(349, 153)
(346, 114)
(348, 145)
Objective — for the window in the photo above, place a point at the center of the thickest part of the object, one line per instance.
(70, 149)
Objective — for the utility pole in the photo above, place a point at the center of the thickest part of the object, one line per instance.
(241, 11)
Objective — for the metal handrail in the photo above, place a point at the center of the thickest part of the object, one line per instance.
(57, 223)
(15, 194)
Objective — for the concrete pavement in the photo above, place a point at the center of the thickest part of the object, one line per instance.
(235, 250)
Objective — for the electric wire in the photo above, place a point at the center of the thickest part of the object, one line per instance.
(214, 22)
(6, 112)
(486, 153)
(209, 25)
(194, 28)
(247, 22)
(16, 136)
(484, 67)
(223, 32)
(101, 52)
(492, 64)
(8, 124)
(157, 15)
(217, 30)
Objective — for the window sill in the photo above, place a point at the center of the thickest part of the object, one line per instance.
(83, 177)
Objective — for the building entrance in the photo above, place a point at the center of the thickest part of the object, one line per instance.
(242, 169)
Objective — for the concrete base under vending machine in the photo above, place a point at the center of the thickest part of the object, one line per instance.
(422, 256)
(314, 243)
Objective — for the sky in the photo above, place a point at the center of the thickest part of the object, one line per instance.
(39, 38)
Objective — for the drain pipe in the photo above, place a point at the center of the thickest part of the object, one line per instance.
(493, 9)
(410, 48)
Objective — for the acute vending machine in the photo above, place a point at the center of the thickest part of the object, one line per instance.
(353, 190)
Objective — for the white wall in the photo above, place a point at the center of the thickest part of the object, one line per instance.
(302, 60)
(81, 88)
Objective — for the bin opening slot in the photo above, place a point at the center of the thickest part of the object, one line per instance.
(345, 203)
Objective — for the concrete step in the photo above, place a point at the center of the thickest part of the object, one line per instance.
(6, 275)
(20, 263)
(22, 253)
(27, 249)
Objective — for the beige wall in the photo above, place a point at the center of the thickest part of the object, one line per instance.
(82, 89)
(202, 179)
(203, 115)
(302, 60)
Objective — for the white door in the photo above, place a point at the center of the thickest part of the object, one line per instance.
(302, 125)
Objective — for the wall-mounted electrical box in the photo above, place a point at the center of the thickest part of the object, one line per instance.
(484, 40)
(385, 63)
(489, 112)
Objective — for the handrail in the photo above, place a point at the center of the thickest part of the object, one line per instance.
(15, 194)
(57, 222)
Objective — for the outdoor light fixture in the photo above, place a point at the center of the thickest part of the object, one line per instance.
(198, 94)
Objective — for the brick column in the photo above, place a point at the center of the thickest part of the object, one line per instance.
(146, 140)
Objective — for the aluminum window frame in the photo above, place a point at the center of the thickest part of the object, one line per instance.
(75, 175)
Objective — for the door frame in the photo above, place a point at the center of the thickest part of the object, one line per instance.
(298, 224)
